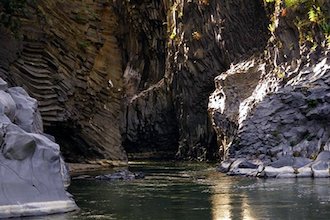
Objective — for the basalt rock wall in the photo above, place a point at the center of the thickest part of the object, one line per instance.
(270, 112)
(133, 75)
(68, 58)
(200, 39)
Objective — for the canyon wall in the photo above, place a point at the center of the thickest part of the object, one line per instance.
(117, 78)
(68, 58)
(137, 75)
(200, 40)
(270, 111)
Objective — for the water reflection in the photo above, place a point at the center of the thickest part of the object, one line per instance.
(242, 198)
(197, 192)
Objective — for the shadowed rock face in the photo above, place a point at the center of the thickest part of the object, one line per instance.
(88, 61)
(33, 175)
(69, 60)
(131, 73)
(202, 38)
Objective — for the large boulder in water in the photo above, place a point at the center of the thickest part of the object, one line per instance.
(32, 172)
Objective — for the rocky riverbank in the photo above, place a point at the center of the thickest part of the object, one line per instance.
(33, 175)
(133, 78)
(271, 111)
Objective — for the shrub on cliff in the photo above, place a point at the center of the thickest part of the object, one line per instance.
(9, 9)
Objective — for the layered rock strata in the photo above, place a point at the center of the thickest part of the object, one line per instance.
(131, 73)
(68, 58)
(32, 172)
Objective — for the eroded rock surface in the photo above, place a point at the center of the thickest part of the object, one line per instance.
(200, 42)
(68, 58)
(271, 111)
(32, 173)
(282, 131)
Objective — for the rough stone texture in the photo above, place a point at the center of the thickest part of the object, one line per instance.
(149, 126)
(209, 35)
(32, 172)
(200, 41)
(272, 109)
(288, 127)
(68, 58)
(131, 73)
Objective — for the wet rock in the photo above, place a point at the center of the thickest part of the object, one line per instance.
(321, 169)
(242, 166)
(224, 166)
(121, 175)
(274, 172)
(305, 171)
(242, 171)
(286, 175)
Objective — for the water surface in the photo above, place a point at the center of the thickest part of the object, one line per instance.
(196, 191)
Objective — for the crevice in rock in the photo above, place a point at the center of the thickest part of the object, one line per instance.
(74, 148)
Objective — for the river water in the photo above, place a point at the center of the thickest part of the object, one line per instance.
(197, 192)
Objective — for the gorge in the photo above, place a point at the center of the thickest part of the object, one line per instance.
(243, 83)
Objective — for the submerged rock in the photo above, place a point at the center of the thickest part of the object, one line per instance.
(121, 175)
(33, 175)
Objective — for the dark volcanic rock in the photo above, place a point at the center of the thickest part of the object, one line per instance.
(121, 175)
(69, 60)
(273, 107)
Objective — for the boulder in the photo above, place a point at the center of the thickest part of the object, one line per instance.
(33, 175)
(27, 115)
(7, 105)
(242, 166)
(274, 172)
(305, 171)
(321, 169)
(121, 175)
(3, 84)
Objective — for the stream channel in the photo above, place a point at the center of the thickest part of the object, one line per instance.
(195, 191)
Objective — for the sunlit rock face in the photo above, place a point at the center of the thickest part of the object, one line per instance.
(276, 128)
(271, 111)
(32, 174)
(200, 39)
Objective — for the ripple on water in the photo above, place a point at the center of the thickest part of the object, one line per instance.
(195, 192)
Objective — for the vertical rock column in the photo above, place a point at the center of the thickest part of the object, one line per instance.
(205, 37)
(69, 60)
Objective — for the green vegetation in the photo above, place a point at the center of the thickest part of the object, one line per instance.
(9, 9)
(312, 103)
(196, 35)
(276, 135)
(296, 154)
(83, 45)
(310, 16)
